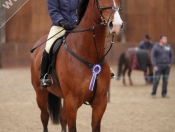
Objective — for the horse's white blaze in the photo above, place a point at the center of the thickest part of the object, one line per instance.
(117, 19)
(117, 23)
(114, 3)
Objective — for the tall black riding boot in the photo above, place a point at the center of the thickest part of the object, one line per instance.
(44, 80)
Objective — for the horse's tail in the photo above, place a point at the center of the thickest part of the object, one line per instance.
(54, 108)
(120, 64)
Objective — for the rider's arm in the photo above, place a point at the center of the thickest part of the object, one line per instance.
(54, 11)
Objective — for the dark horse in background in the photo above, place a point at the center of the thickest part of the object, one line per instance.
(75, 76)
(135, 59)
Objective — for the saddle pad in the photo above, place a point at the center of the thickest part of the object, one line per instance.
(134, 62)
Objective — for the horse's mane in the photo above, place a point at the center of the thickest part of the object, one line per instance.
(82, 8)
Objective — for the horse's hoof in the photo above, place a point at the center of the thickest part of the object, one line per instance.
(63, 130)
(45, 131)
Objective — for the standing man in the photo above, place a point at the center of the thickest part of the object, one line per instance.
(162, 58)
(146, 44)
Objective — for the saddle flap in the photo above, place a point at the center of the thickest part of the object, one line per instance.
(54, 51)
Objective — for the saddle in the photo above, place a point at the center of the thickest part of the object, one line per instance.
(142, 58)
(139, 59)
(54, 51)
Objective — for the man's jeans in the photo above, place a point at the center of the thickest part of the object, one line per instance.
(163, 70)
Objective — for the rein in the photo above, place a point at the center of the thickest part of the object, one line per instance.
(85, 62)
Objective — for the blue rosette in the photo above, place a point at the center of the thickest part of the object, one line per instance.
(96, 69)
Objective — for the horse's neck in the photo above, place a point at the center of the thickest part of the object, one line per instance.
(85, 45)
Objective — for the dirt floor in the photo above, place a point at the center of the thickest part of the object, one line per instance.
(131, 108)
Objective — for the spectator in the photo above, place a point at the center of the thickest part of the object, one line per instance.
(146, 44)
(162, 58)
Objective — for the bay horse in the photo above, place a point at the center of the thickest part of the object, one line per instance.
(75, 76)
(126, 61)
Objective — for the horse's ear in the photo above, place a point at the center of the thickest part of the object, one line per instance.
(82, 8)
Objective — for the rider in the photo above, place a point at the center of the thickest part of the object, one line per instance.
(146, 44)
(63, 15)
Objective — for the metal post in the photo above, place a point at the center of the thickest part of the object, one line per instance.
(2, 30)
(109, 94)
(0, 54)
(0, 35)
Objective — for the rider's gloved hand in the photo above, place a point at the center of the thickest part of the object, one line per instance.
(65, 25)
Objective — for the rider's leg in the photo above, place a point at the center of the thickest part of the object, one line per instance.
(53, 31)
(43, 70)
(45, 58)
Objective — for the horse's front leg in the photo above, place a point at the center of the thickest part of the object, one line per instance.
(71, 113)
(124, 71)
(42, 103)
(63, 119)
(98, 109)
(129, 75)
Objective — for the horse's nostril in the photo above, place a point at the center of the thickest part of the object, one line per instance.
(111, 25)
(122, 26)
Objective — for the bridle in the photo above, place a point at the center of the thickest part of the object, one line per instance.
(100, 9)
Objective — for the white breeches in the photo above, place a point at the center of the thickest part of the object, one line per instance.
(53, 31)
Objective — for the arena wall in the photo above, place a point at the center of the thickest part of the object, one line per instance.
(32, 21)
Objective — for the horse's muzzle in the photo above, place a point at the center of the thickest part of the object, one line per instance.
(114, 28)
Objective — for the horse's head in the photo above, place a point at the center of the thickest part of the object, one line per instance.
(109, 13)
